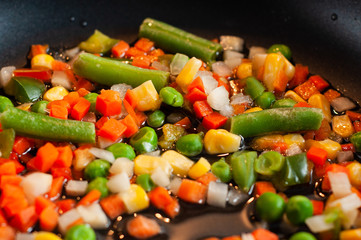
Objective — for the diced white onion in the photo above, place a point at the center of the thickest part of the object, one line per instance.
(293, 150)
(209, 82)
(247, 236)
(342, 104)
(318, 224)
(258, 61)
(340, 184)
(217, 194)
(227, 110)
(178, 62)
(94, 216)
(175, 184)
(36, 184)
(122, 165)
(231, 43)
(159, 66)
(67, 219)
(348, 203)
(233, 62)
(229, 54)
(221, 69)
(236, 197)
(5, 75)
(344, 156)
(76, 188)
(119, 183)
(218, 98)
(240, 98)
(121, 88)
(254, 50)
(160, 178)
(60, 78)
(72, 52)
(24, 236)
(104, 142)
(102, 154)
(349, 219)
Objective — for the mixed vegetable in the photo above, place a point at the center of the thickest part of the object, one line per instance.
(116, 138)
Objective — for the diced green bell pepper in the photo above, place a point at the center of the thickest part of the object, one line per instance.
(98, 43)
(7, 138)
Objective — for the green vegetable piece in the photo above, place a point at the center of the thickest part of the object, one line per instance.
(171, 96)
(242, 164)
(97, 168)
(39, 107)
(39, 126)
(254, 87)
(298, 209)
(284, 103)
(270, 207)
(92, 98)
(98, 43)
(178, 62)
(80, 232)
(156, 119)
(171, 134)
(122, 150)
(303, 236)
(145, 140)
(7, 138)
(275, 120)
(190, 145)
(27, 89)
(175, 40)
(222, 170)
(265, 100)
(356, 141)
(269, 163)
(145, 182)
(5, 103)
(109, 72)
(283, 49)
(99, 183)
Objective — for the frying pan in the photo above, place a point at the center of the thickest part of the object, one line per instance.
(325, 35)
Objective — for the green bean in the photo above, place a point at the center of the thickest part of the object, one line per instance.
(284, 103)
(39, 126)
(254, 87)
(4, 103)
(109, 72)
(7, 138)
(265, 100)
(39, 107)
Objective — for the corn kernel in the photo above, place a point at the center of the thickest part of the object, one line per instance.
(351, 234)
(42, 61)
(355, 174)
(188, 72)
(148, 97)
(330, 146)
(147, 164)
(294, 96)
(342, 125)
(135, 199)
(45, 236)
(254, 109)
(180, 163)
(244, 70)
(221, 141)
(201, 167)
(55, 93)
(320, 101)
(294, 138)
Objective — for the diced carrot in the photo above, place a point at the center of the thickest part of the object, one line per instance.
(56, 188)
(119, 49)
(90, 197)
(41, 203)
(141, 117)
(65, 157)
(10, 179)
(211, 238)
(324, 131)
(348, 147)
(235, 237)
(144, 44)
(7, 168)
(30, 165)
(317, 206)
(317, 155)
(302, 104)
(333, 168)
(133, 51)
(24, 219)
(262, 234)
(37, 49)
(83, 83)
(7, 232)
(319, 82)
(320, 171)
(261, 187)
(354, 116)
(12, 199)
(205, 179)
(131, 98)
(239, 108)
(131, 126)
(112, 129)
(214, 120)
(184, 123)
(62, 103)
(300, 76)
(72, 98)
(65, 205)
(306, 90)
(45, 157)
(44, 75)
(82, 92)
(129, 109)
(331, 94)
(22, 145)
(80, 109)
(202, 108)
(196, 83)
(61, 172)
(357, 126)
(3, 220)
(196, 95)
(280, 82)
(109, 103)
(99, 124)
(156, 52)
(58, 111)
(113, 206)
(142, 227)
(48, 219)
(161, 199)
(142, 61)
(192, 191)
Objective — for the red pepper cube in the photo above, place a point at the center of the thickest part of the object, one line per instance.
(306, 90)
(317, 155)
(196, 95)
(202, 109)
(319, 82)
(214, 120)
(80, 109)
(109, 103)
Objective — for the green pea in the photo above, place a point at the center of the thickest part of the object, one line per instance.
(298, 209)
(284, 103)
(265, 100)
(92, 98)
(222, 170)
(285, 50)
(145, 182)
(5, 103)
(190, 145)
(171, 96)
(99, 183)
(269, 163)
(80, 232)
(145, 140)
(156, 119)
(39, 107)
(302, 236)
(97, 168)
(270, 207)
(122, 150)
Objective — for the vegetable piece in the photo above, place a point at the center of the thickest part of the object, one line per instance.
(7, 138)
(265, 100)
(145, 140)
(262, 233)
(269, 163)
(171, 133)
(80, 232)
(147, 97)
(270, 207)
(27, 89)
(135, 199)
(342, 125)
(148, 164)
(25, 219)
(156, 118)
(320, 101)
(298, 209)
(356, 141)
(178, 62)
(122, 150)
(42, 62)
(76, 188)
(261, 187)
(190, 145)
(42, 235)
(113, 129)
(173, 39)
(171, 96)
(214, 120)
(55, 93)
(302, 236)
(80, 109)
(97, 168)
(161, 199)
(317, 155)
(100, 184)
(180, 163)
(36, 184)
(39, 107)
(113, 206)
(119, 49)
(284, 103)
(48, 219)
(109, 103)
(350, 234)
(202, 108)
(142, 227)
(189, 71)
(201, 167)
(118, 183)
(98, 43)
(145, 182)
(217, 194)
(282, 48)
(242, 164)
(222, 170)
(48, 128)
(275, 120)
(5, 103)
(45, 157)
(111, 72)
(221, 141)
(254, 88)
(192, 191)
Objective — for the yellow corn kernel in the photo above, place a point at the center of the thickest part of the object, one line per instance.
(244, 70)
(201, 167)
(186, 76)
(148, 97)
(320, 101)
(355, 174)
(180, 163)
(221, 141)
(46, 236)
(331, 147)
(294, 138)
(254, 109)
(342, 125)
(351, 234)
(42, 61)
(294, 96)
(135, 199)
(147, 164)
(55, 93)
